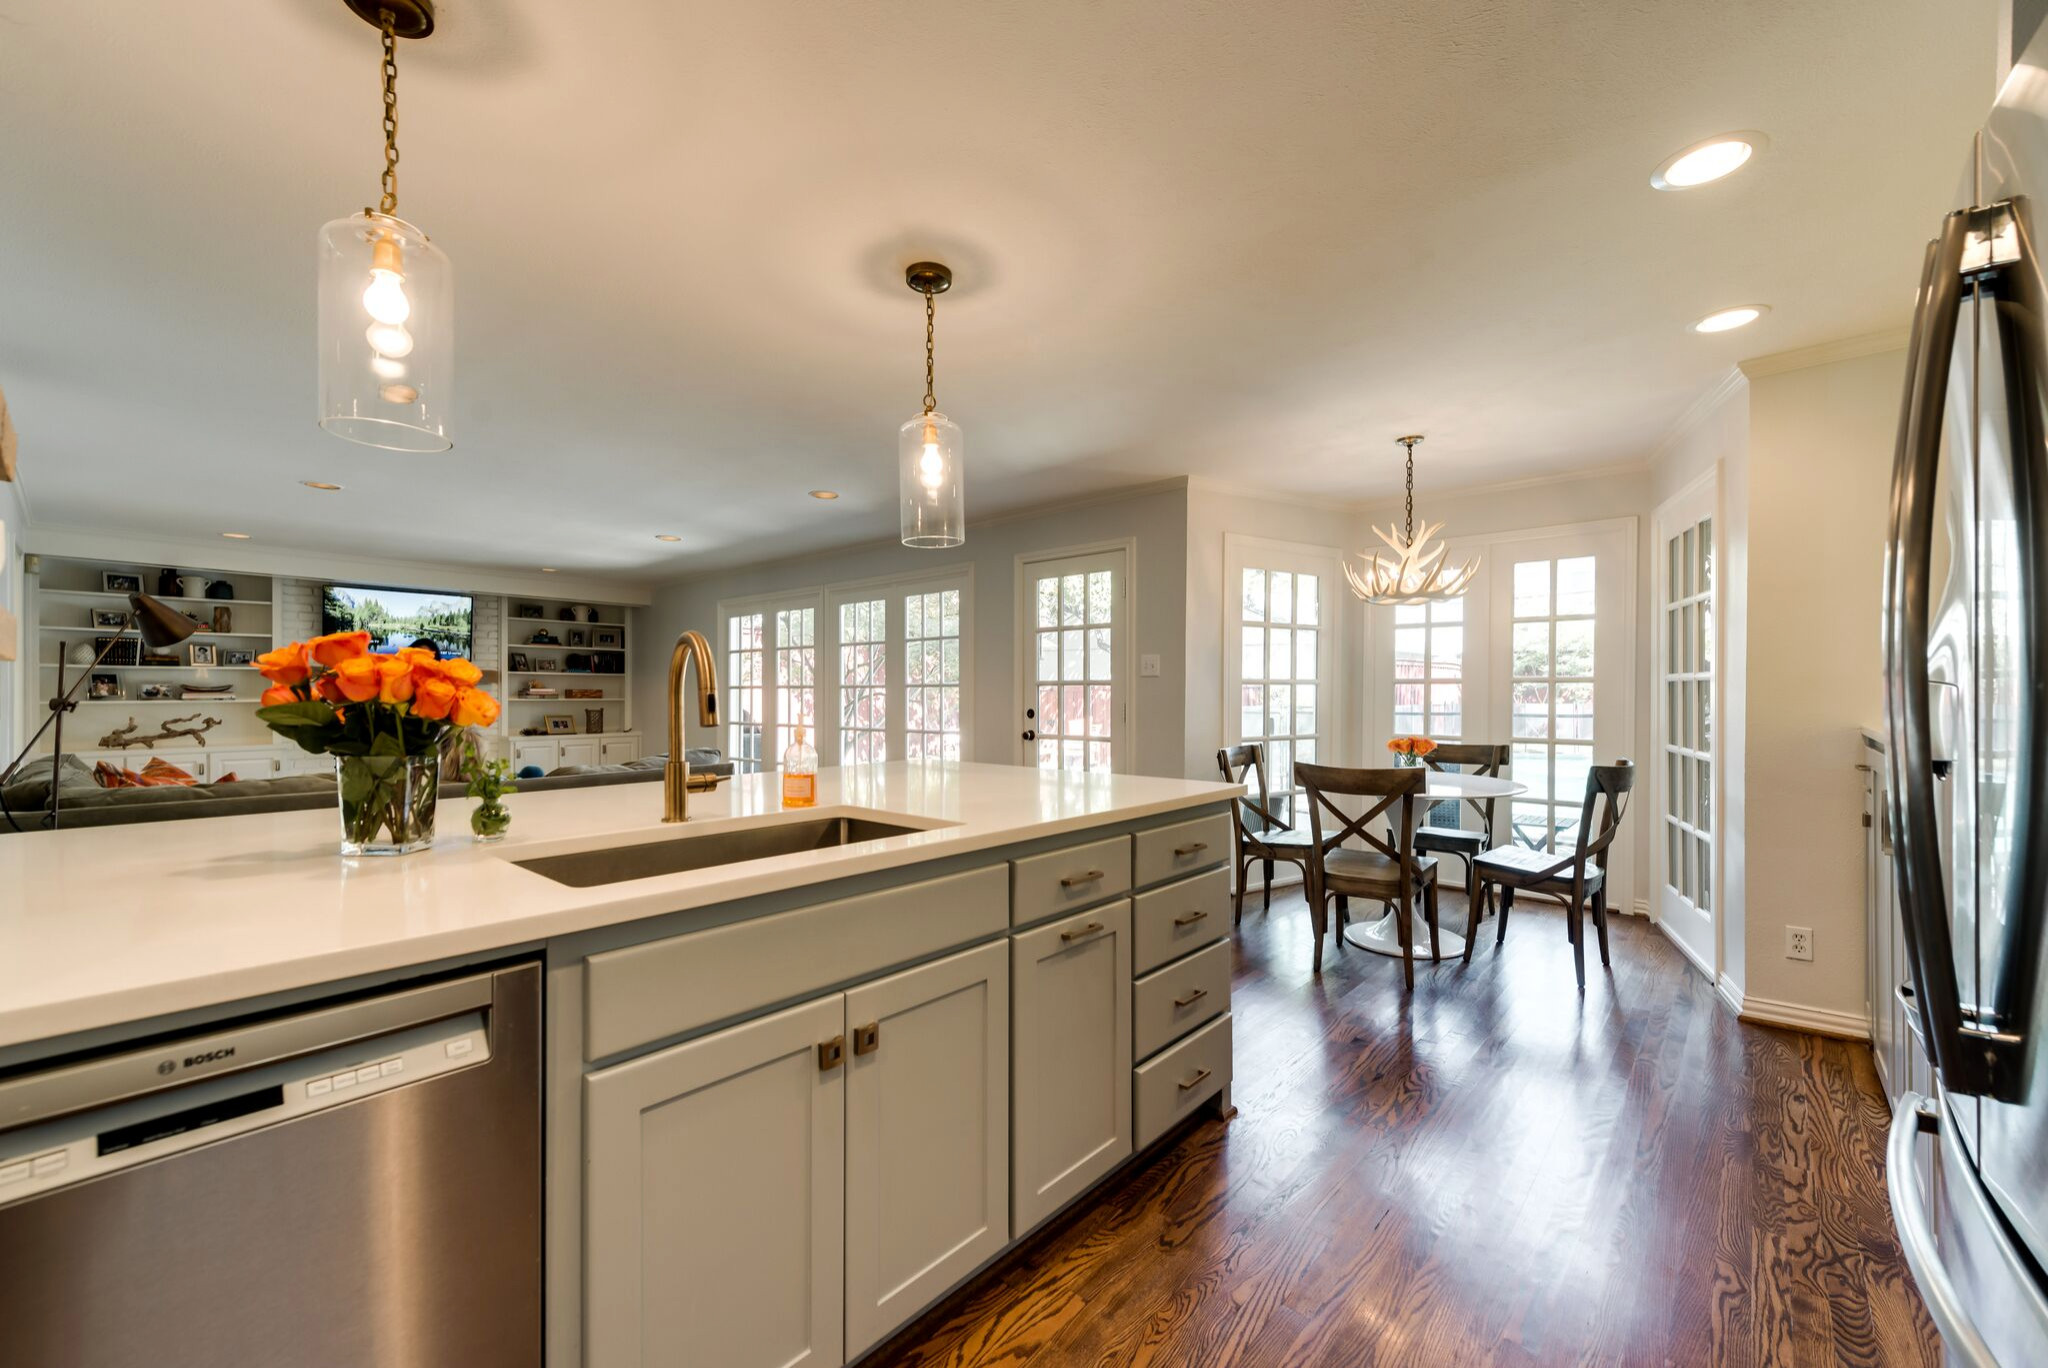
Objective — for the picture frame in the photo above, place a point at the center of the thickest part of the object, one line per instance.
(203, 653)
(559, 724)
(104, 686)
(607, 639)
(516, 662)
(105, 618)
(527, 610)
(158, 692)
(579, 637)
(548, 665)
(238, 658)
(114, 582)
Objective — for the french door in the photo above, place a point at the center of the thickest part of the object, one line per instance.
(1682, 845)
(1563, 679)
(1073, 627)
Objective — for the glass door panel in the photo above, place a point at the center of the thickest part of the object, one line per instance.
(1073, 625)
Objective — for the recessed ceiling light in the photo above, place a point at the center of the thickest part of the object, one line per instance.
(547, 569)
(1705, 162)
(666, 536)
(236, 536)
(321, 484)
(1740, 316)
(824, 493)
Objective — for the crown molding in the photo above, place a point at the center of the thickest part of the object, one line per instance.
(1730, 383)
(1825, 353)
(1324, 504)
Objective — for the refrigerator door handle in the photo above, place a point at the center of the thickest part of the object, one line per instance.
(1916, 1116)
(1971, 1060)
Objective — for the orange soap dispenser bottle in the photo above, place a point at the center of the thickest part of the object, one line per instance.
(800, 773)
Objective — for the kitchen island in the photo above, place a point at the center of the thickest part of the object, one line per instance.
(789, 1099)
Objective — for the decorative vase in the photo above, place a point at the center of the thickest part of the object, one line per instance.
(193, 586)
(489, 821)
(387, 803)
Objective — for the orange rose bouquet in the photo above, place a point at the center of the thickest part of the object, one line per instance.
(1409, 750)
(385, 719)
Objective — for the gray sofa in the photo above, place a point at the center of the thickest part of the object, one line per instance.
(85, 803)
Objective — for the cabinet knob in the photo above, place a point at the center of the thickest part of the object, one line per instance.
(831, 1053)
(867, 1039)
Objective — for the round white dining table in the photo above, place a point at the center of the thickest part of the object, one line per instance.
(1383, 937)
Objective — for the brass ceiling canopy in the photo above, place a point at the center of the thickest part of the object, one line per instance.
(408, 18)
(929, 277)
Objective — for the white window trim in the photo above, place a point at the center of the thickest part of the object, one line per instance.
(1123, 745)
(826, 599)
(1674, 515)
(1241, 552)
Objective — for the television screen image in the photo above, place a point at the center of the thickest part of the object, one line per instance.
(395, 618)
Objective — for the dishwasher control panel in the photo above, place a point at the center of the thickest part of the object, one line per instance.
(72, 1149)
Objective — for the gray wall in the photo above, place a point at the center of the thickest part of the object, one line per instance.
(1157, 518)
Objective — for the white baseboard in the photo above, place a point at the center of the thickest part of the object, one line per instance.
(1818, 1020)
(1730, 993)
(1642, 908)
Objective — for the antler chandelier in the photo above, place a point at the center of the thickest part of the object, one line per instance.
(1417, 572)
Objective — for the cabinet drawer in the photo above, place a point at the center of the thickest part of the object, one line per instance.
(1059, 881)
(1171, 851)
(1182, 1079)
(1168, 1003)
(1168, 922)
(645, 992)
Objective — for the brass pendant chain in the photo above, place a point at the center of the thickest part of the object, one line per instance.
(1410, 444)
(929, 402)
(388, 206)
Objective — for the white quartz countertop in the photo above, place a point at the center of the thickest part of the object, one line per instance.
(105, 925)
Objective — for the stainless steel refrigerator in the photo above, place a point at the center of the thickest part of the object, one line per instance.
(1966, 664)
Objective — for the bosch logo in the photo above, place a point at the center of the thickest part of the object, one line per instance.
(192, 1061)
(167, 1067)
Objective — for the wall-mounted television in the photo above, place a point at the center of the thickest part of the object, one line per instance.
(396, 618)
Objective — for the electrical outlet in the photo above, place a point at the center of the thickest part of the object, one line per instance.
(1148, 666)
(1799, 942)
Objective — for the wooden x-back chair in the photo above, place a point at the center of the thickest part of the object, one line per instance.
(1389, 871)
(1262, 834)
(1481, 760)
(1575, 880)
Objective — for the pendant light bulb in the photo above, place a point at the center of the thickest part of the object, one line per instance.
(388, 339)
(385, 299)
(931, 462)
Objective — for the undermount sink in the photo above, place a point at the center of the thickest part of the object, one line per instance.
(675, 855)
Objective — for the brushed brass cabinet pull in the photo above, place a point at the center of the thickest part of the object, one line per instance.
(831, 1053)
(1182, 852)
(867, 1039)
(1090, 929)
(1190, 919)
(1076, 880)
(1195, 1082)
(1192, 998)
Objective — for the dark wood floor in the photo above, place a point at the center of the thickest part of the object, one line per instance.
(1493, 1171)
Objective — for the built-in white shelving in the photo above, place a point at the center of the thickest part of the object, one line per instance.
(573, 637)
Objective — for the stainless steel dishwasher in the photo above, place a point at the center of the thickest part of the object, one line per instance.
(354, 1183)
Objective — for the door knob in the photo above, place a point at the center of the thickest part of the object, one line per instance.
(1030, 735)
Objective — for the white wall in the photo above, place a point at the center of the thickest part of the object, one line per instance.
(1156, 517)
(1818, 487)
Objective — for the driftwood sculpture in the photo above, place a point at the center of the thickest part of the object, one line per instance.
(121, 738)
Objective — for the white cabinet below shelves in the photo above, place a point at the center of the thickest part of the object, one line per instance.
(551, 753)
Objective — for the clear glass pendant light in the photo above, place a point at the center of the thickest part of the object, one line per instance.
(386, 298)
(930, 447)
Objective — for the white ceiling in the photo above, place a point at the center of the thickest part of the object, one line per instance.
(1247, 241)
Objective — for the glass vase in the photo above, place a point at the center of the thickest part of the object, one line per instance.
(387, 803)
(489, 821)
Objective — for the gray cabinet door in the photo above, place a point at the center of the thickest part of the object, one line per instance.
(927, 1135)
(1071, 1061)
(714, 1200)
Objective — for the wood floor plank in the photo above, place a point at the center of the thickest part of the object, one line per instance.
(1493, 1170)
